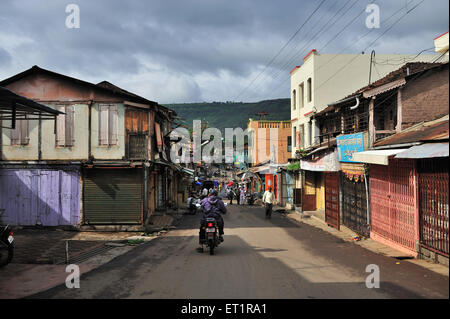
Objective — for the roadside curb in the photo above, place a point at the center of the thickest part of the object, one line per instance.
(367, 243)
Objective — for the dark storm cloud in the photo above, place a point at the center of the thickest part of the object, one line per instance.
(192, 50)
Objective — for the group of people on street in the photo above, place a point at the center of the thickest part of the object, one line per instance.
(237, 193)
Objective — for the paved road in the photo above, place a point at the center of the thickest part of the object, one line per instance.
(260, 258)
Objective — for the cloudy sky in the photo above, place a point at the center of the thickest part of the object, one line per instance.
(203, 50)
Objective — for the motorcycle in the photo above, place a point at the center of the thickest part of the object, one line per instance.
(251, 198)
(6, 246)
(211, 239)
(193, 205)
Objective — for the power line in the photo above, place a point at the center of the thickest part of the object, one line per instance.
(373, 42)
(286, 65)
(279, 52)
(352, 44)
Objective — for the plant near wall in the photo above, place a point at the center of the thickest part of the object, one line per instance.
(293, 166)
(301, 153)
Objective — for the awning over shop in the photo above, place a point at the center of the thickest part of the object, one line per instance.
(380, 157)
(429, 150)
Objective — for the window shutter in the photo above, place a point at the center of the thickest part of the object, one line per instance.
(103, 124)
(24, 132)
(159, 141)
(60, 126)
(113, 125)
(69, 123)
(15, 134)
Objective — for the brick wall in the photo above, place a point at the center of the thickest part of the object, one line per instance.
(284, 130)
(426, 97)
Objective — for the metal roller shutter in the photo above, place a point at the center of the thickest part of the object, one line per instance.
(112, 196)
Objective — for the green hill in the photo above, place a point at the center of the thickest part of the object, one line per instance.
(231, 114)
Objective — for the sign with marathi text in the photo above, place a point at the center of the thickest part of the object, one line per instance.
(327, 162)
(349, 144)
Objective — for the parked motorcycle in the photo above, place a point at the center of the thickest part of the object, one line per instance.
(193, 205)
(6, 245)
(211, 239)
(250, 198)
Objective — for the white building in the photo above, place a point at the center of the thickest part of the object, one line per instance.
(325, 78)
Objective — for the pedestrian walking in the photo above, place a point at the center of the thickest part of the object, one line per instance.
(241, 196)
(268, 201)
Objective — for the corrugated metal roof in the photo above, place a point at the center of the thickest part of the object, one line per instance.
(428, 150)
(23, 104)
(427, 131)
(380, 157)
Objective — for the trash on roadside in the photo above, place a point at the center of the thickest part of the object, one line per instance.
(355, 238)
(133, 242)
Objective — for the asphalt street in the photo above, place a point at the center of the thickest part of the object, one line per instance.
(260, 258)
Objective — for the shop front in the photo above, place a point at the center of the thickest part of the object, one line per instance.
(321, 184)
(354, 183)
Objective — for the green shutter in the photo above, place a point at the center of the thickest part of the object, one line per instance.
(113, 196)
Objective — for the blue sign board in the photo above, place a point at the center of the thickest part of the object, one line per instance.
(349, 144)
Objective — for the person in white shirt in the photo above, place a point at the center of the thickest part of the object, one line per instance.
(268, 201)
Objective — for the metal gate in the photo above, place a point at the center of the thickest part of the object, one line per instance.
(392, 202)
(113, 196)
(309, 192)
(433, 204)
(286, 188)
(332, 199)
(354, 206)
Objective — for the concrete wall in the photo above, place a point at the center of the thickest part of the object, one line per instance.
(335, 76)
(284, 130)
(20, 152)
(52, 90)
(103, 151)
(79, 151)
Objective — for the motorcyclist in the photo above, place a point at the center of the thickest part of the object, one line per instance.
(213, 207)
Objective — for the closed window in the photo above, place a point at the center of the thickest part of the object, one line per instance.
(20, 134)
(108, 124)
(309, 90)
(294, 99)
(289, 143)
(295, 136)
(301, 135)
(65, 126)
(301, 96)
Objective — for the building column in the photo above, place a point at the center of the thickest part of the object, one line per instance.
(372, 128)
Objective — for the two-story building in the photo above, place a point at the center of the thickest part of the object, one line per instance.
(105, 161)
